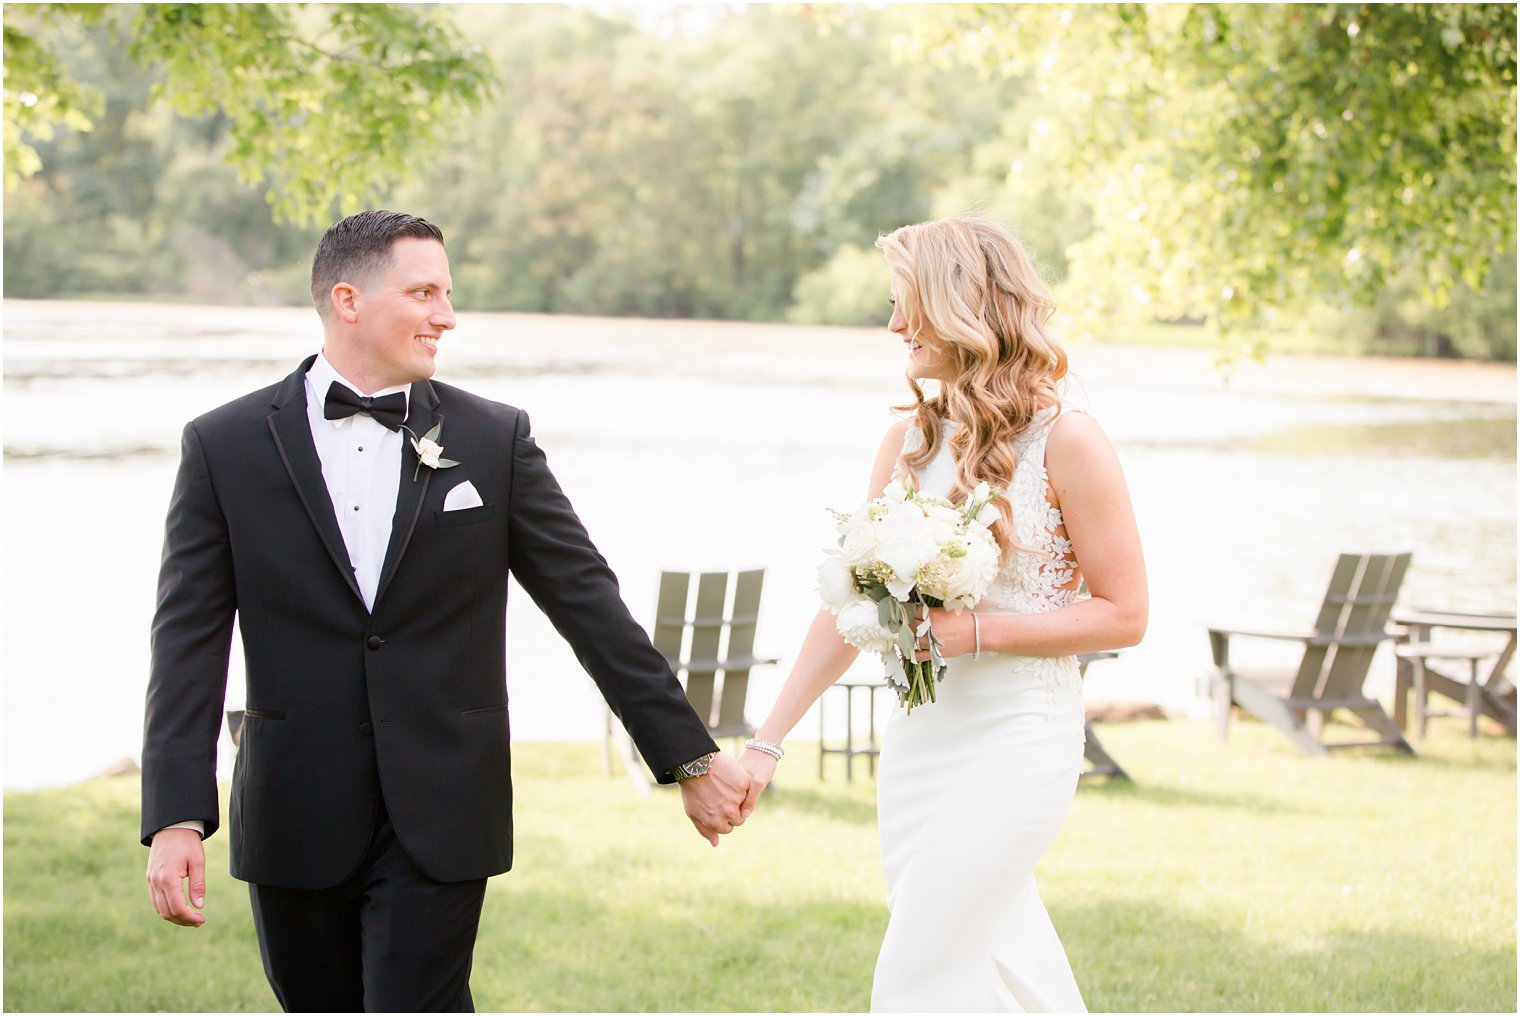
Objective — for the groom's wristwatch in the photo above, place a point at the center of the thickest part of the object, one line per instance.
(696, 767)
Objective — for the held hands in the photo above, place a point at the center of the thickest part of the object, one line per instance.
(176, 855)
(719, 801)
(761, 767)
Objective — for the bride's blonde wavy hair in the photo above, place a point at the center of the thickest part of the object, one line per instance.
(970, 291)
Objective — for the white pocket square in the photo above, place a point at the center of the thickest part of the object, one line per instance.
(463, 496)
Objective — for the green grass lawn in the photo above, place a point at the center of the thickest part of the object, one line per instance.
(1238, 877)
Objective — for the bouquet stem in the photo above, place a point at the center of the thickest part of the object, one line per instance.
(920, 683)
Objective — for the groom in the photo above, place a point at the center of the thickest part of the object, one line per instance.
(372, 796)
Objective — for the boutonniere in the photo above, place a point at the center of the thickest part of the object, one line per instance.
(429, 451)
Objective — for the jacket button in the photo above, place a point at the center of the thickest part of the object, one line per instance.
(366, 729)
(375, 642)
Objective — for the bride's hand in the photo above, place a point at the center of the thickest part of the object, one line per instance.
(761, 767)
(956, 634)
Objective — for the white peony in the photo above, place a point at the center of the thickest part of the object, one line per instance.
(966, 571)
(860, 625)
(836, 585)
(941, 521)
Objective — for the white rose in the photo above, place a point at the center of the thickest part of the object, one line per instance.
(836, 585)
(895, 491)
(858, 543)
(859, 624)
(906, 551)
(429, 451)
(989, 514)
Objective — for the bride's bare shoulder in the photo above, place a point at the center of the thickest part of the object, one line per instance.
(1078, 452)
(1074, 427)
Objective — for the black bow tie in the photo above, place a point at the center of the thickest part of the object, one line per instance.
(388, 410)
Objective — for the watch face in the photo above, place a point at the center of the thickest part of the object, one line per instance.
(697, 767)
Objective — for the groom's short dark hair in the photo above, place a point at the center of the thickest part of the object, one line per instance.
(358, 248)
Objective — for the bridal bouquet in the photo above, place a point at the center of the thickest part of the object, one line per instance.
(900, 554)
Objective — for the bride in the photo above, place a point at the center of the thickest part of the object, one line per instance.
(974, 786)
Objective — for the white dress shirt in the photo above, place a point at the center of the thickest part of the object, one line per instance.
(361, 464)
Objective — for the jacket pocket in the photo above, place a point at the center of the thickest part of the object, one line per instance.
(464, 516)
(484, 710)
(263, 714)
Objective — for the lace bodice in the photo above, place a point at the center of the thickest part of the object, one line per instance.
(1040, 573)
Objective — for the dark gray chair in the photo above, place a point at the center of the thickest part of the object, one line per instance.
(1338, 650)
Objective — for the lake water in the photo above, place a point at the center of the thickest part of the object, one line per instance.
(716, 445)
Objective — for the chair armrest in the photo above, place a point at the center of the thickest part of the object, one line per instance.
(1446, 651)
(1219, 641)
(730, 663)
(1290, 636)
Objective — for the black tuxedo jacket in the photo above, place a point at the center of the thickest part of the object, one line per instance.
(347, 708)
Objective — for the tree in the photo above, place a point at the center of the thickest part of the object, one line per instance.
(327, 105)
(1245, 162)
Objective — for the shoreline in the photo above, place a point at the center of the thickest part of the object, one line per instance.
(1490, 380)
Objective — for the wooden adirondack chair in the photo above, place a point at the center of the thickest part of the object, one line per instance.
(705, 636)
(718, 636)
(1352, 623)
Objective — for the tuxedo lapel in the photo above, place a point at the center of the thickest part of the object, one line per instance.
(292, 436)
(422, 416)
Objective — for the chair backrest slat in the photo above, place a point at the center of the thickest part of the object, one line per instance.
(706, 623)
(670, 616)
(743, 612)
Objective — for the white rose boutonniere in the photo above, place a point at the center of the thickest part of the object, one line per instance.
(429, 451)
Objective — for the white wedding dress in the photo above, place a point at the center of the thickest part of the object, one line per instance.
(975, 786)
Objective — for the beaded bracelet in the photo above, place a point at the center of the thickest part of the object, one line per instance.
(976, 628)
(775, 751)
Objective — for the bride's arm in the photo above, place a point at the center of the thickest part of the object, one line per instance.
(1100, 522)
(823, 657)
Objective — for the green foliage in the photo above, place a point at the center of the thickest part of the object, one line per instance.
(1227, 878)
(1166, 163)
(38, 95)
(325, 108)
(625, 172)
(1244, 162)
(1476, 323)
(849, 289)
(144, 204)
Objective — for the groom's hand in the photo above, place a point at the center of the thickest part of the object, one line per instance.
(176, 855)
(713, 801)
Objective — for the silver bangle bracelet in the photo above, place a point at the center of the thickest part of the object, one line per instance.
(775, 751)
(976, 628)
